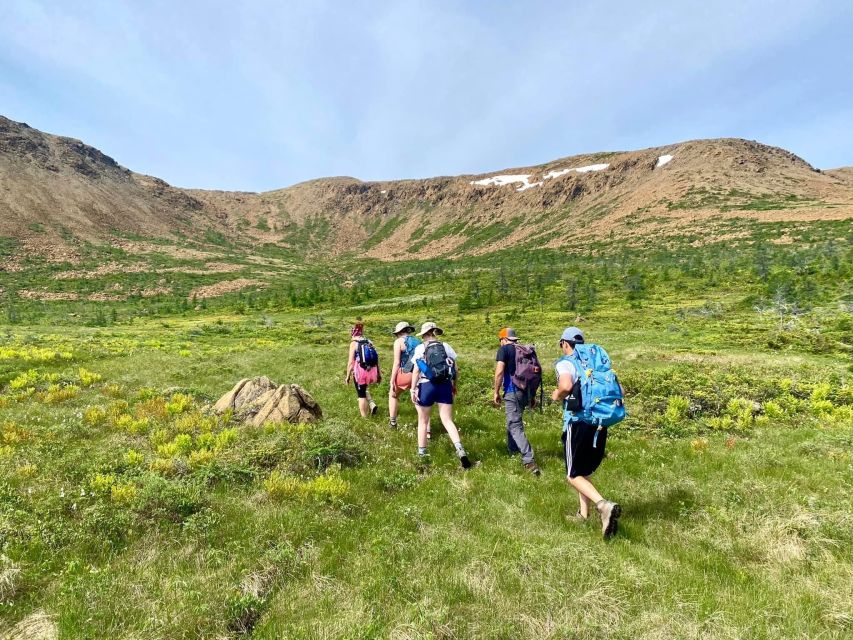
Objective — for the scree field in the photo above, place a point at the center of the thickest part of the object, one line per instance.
(129, 510)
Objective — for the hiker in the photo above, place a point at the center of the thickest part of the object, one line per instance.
(518, 392)
(402, 369)
(362, 368)
(585, 420)
(436, 373)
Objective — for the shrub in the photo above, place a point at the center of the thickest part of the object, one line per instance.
(280, 486)
(154, 408)
(94, 416)
(56, 393)
(27, 379)
(113, 390)
(123, 493)
(27, 470)
(133, 458)
(162, 499)
(333, 442)
(88, 378)
(102, 483)
(200, 458)
(224, 438)
(179, 403)
(329, 487)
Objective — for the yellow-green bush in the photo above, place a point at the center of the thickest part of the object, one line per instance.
(88, 378)
(123, 493)
(179, 403)
(13, 434)
(194, 422)
(27, 470)
(200, 458)
(329, 487)
(27, 379)
(154, 408)
(102, 483)
(94, 416)
(133, 458)
(57, 393)
(224, 438)
(113, 390)
(164, 466)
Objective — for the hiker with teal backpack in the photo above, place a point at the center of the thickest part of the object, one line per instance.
(362, 368)
(402, 369)
(592, 401)
(435, 372)
(519, 374)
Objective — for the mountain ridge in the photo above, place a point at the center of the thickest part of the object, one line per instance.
(58, 191)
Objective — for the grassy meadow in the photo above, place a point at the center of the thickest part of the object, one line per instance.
(128, 510)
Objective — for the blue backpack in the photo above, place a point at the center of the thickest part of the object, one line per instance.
(601, 401)
(366, 355)
(407, 365)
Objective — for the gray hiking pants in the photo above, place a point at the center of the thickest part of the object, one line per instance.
(516, 440)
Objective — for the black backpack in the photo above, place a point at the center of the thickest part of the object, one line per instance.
(436, 365)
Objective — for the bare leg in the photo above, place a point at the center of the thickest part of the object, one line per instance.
(585, 490)
(423, 424)
(584, 503)
(364, 407)
(393, 405)
(445, 412)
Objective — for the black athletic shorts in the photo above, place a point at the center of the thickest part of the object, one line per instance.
(360, 389)
(583, 451)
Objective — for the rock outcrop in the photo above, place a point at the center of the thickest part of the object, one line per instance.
(259, 400)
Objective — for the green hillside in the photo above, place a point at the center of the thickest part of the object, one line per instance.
(126, 510)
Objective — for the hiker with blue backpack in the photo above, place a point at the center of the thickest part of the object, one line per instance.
(362, 368)
(402, 369)
(436, 374)
(519, 374)
(592, 401)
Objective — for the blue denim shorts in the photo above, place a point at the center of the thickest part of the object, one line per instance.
(429, 393)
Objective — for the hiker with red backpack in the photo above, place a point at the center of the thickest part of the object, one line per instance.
(362, 368)
(402, 370)
(436, 372)
(518, 372)
(592, 401)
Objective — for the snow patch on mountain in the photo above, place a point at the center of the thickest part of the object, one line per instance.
(663, 160)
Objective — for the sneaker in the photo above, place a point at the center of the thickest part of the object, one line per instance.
(609, 512)
(373, 408)
(533, 468)
(392, 423)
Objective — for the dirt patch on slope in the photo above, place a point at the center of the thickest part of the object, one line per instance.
(221, 288)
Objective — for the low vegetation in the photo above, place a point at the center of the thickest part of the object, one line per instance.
(129, 509)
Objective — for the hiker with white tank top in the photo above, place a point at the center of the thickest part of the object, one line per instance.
(435, 371)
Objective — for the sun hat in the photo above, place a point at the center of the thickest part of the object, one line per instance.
(426, 327)
(507, 333)
(572, 334)
(402, 326)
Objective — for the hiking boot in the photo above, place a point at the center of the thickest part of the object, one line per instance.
(577, 518)
(533, 468)
(373, 408)
(609, 512)
(463, 458)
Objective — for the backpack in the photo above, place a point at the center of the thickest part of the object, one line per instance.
(407, 364)
(528, 370)
(601, 401)
(365, 354)
(436, 365)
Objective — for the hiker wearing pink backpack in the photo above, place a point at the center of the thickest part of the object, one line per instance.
(362, 368)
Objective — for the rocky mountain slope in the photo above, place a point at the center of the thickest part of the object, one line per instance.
(55, 191)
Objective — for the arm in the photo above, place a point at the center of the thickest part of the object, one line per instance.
(564, 387)
(396, 366)
(350, 361)
(499, 378)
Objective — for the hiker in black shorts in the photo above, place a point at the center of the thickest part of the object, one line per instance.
(583, 443)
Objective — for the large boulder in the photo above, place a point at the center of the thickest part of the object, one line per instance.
(259, 400)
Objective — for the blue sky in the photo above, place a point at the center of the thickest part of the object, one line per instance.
(259, 94)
